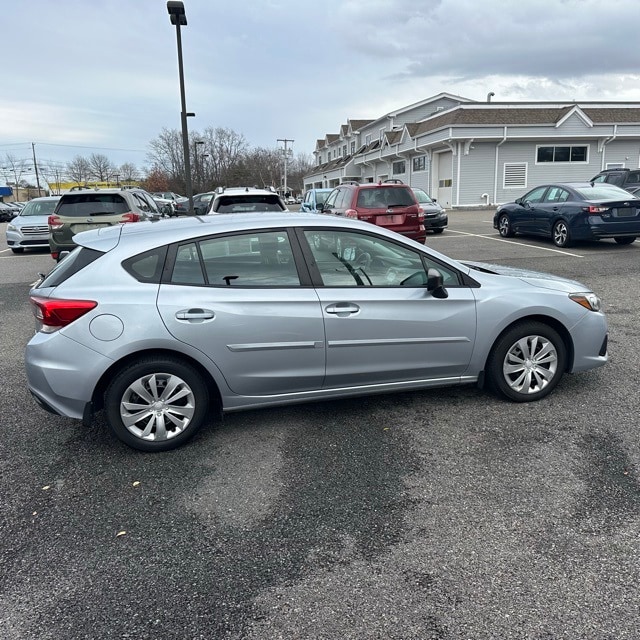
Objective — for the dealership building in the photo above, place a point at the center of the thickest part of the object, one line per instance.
(467, 153)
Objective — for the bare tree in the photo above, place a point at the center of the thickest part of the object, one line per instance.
(15, 168)
(166, 155)
(128, 172)
(78, 170)
(100, 167)
(225, 149)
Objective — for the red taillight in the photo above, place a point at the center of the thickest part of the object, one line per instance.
(54, 255)
(55, 314)
(130, 217)
(596, 209)
(54, 222)
(351, 213)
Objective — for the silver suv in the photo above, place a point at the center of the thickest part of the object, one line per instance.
(30, 228)
(245, 200)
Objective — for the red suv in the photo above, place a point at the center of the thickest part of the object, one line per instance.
(390, 204)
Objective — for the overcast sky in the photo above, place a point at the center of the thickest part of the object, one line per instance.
(84, 76)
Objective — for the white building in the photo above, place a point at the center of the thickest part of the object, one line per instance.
(467, 153)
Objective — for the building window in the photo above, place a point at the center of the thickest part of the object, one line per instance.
(367, 139)
(381, 134)
(445, 183)
(344, 150)
(515, 175)
(562, 153)
(399, 167)
(420, 163)
(353, 148)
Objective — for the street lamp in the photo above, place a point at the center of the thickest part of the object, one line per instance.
(178, 18)
(197, 144)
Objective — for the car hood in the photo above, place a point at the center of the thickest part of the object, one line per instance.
(534, 278)
(28, 221)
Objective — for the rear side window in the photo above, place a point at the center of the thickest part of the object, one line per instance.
(147, 266)
(77, 260)
(89, 204)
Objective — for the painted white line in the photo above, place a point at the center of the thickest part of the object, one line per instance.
(521, 244)
(3, 250)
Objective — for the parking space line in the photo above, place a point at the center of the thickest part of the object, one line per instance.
(522, 244)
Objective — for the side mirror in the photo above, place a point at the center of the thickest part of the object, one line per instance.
(435, 284)
(519, 201)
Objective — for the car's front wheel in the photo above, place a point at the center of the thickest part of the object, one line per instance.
(527, 362)
(156, 404)
(21, 249)
(438, 230)
(625, 239)
(504, 226)
(560, 234)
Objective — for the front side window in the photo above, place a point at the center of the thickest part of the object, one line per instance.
(535, 196)
(257, 259)
(352, 259)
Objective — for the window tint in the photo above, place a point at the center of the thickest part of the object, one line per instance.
(385, 196)
(147, 266)
(350, 259)
(88, 204)
(78, 259)
(243, 260)
(248, 203)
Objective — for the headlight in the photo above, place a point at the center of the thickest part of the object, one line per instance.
(12, 227)
(588, 300)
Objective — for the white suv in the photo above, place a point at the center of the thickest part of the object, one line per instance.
(245, 200)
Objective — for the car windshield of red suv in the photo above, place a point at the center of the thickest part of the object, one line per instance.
(384, 197)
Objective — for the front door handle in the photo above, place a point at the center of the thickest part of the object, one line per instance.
(197, 315)
(342, 309)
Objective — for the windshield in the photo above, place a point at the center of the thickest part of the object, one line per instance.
(39, 208)
(422, 196)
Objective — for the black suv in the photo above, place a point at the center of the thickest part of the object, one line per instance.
(390, 204)
(623, 178)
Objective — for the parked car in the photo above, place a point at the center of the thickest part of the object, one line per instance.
(6, 212)
(164, 325)
(435, 217)
(390, 204)
(245, 200)
(623, 178)
(313, 199)
(570, 212)
(202, 202)
(165, 207)
(30, 228)
(82, 210)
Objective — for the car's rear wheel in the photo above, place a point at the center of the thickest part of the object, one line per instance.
(156, 404)
(560, 234)
(625, 239)
(21, 249)
(504, 227)
(527, 362)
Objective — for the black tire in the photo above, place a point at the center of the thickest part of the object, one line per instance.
(170, 424)
(504, 226)
(625, 239)
(21, 249)
(526, 362)
(438, 230)
(560, 234)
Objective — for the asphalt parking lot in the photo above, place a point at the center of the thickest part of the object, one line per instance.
(445, 514)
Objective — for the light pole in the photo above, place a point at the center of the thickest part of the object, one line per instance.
(195, 146)
(286, 158)
(178, 18)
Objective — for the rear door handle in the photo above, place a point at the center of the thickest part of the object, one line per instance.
(195, 314)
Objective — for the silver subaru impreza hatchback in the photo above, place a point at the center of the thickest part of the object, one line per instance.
(163, 325)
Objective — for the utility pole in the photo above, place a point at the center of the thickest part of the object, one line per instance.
(35, 165)
(286, 159)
